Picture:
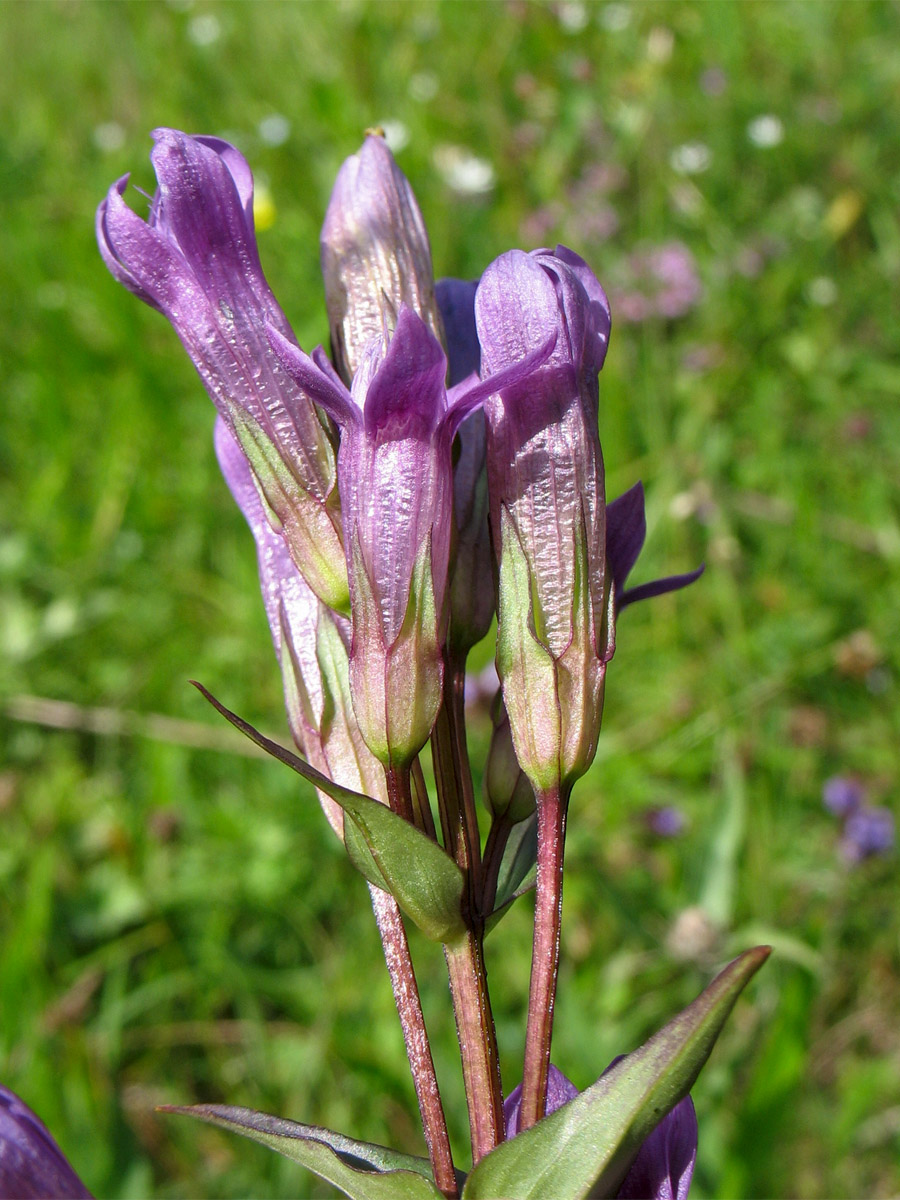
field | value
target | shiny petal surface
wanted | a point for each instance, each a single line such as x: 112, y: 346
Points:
x: 406, y: 397
x: 375, y: 254
x: 195, y: 260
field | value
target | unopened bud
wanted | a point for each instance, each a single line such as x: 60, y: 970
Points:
x: 507, y: 790
x: 375, y: 255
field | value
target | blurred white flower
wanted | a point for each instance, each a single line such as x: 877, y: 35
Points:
x: 423, y: 86
x: 690, y: 159
x: 660, y: 44
x: 572, y: 16
x: 766, y: 130
x: 463, y: 171
x: 822, y: 291
x: 274, y: 129
x: 204, y: 29
x: 109, y: 136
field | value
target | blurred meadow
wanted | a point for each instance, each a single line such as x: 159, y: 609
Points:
x: 177, y: 922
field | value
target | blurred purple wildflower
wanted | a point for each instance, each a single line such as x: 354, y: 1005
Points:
x: 661, y: 282
x: 32, y: 1166
x: 842, y: 795
x: 666, y: 821
x: 868, y: 832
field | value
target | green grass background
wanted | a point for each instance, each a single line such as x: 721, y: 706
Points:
x: 177, y: 923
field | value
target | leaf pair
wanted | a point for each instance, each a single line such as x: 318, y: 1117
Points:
x: 582, y: 1150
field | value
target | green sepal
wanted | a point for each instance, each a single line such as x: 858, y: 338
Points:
x: 525, y: 665
x: 585, y: 1148
x: 424, y: 880
x: 360, y: 1170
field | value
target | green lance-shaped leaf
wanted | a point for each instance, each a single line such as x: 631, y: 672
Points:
x: 422, y: 878
x: 585, y: 1148
x: 361, y: 1171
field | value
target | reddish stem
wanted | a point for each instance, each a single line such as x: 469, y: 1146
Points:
x: 415, y: 1037
x: 551, y: 812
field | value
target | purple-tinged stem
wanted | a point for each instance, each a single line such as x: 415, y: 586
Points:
x: 399, y: 792
x: 465, y: 960
x: 477, y: 1043
x: 415, y: 1037
x: 551, y: 831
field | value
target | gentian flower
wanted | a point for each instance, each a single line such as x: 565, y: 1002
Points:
x: 32, y: 1166
x: 195, y: 260
x: 395, y: 477
x: 312, y: 646
x: 545, y: 472
x: 375, y: 255
x: 664, y: 1165
x: 560, y: 1091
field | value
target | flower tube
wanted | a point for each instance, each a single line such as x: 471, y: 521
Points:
x: 195, y: 260
x: 545, y: 471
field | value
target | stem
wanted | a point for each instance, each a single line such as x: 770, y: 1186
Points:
x: 465, y: 960
x: 551, y: 812
x: 477, y: 1043
x: 399, y: 793
x: 415, y: 1037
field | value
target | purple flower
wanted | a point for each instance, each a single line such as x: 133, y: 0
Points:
x: 195, y: 260
x: 626, y: 529
x: 666, y: 821
x: 664, y: 1165
x: 312, y: 646
x: 32, y: 1166
x: 664, y: 283
x: 545, y: 471
x: 665, y: 1162
x: 395, y: 476
x: 867, y: 832
x: 843, y: 795
x: 375, y: 255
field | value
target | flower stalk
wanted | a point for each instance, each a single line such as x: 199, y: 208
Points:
x: 415, y: 1038
x: 552, y: 808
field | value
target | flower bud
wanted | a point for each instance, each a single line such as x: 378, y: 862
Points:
x: 545, y: 470
x: 375, y: 255
x: 395, y: 478
x: 507, y: 790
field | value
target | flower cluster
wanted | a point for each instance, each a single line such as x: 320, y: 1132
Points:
x: 440, y: 468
